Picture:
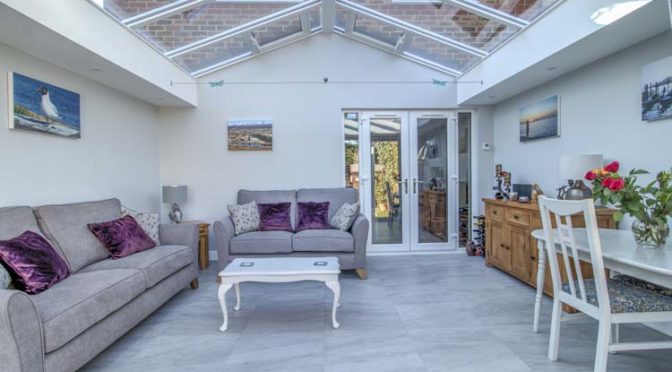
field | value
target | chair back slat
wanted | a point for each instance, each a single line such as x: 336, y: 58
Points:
x: 562, y: 240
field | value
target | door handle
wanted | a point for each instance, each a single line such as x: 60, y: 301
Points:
x: 405, y: 182
x: 415, y: 185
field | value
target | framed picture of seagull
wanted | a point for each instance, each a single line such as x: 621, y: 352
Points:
x: 37, y: 106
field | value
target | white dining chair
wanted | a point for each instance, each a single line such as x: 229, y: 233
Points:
x: 608, y: 301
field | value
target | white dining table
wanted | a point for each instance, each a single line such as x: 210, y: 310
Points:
x: 620, y: 254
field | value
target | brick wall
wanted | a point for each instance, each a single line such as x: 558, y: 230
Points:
x: 215, y: 17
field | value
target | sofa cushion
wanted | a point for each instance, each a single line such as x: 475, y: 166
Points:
x: 336, y: 197
x: 80, y: 301
x: 271, y: 197
x: 122, y: 237
x: 323, y: 241
x: 156, y: 264
x: 65, y: 226
x: 261, y: 242
x: 14, y: 221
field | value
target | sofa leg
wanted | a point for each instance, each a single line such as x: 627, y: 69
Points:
x: 361, y: 273
x: 194, y: 284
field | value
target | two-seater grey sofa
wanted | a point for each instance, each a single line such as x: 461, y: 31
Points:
x: 67, y: 325
x: 348, y: 246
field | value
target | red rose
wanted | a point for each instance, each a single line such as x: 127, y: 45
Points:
x: 616, y: 184
x: 612, y: 167
x: 606, y: 182
x: 591, y: 175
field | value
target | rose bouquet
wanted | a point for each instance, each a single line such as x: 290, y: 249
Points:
x: 649, y: 205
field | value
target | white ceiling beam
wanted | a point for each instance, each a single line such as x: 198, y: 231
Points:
x: 455, y: 44
x: 489, y: 12
x: 350, y: 22
x: 249, y: 26
x: 401, y: 43
x: 305, y: 22
x: 328, y: 16
x: 163, y: 12
x: 253, y: 43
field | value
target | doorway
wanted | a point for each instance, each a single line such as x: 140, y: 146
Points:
x: 405, y: 164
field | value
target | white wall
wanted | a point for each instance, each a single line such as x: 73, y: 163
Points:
x: 307, y: 119
x: 117, y: 155
x: 599, y: 113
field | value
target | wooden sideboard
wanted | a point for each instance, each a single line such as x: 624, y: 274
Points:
x: 509, y: 243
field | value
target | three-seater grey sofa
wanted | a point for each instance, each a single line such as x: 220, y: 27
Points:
x: 348, y: 246
x: 67, y: 325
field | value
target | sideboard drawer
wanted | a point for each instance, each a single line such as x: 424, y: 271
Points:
x: 494, y: 212
x: 518, y: 216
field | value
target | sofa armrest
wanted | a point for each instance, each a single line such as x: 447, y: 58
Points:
x: 360, y: 232
x: 224, y: 231
x: 180, y: 234
x: 21, y: 340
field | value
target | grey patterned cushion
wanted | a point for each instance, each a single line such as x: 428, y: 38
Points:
x: 5, y: 279
x: 643, y: 284
x: 245, y: 217
x: 149, y: 222
x: 345, y: 216
x: 626, y: 298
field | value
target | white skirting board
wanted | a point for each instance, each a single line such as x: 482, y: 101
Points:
x: 212, y: 255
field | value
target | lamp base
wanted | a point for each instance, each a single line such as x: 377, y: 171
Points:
x: 175, y: 214
x: 577, y: 190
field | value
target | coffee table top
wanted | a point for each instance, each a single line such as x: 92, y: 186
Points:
x: 281, y: 266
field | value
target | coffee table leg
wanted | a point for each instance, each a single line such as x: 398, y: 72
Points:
x: 336, y: 288
x: 237, y: 308
x: 221, y: 294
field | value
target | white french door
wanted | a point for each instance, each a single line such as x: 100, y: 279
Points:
x: 408, y: 182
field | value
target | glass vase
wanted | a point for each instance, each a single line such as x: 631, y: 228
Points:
x: 650, y: 234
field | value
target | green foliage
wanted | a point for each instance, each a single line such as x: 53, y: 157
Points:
x: 386, y: 163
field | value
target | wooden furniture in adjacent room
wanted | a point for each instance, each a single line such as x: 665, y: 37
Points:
x: 433, y: 212
x: 509, y: 243
x: 203, y: 243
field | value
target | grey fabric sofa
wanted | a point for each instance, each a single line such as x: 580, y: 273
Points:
x: 349, y: 246
x: 67, y: 325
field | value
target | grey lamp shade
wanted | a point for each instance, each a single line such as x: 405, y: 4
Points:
x: 574, y: 167
x: 174, y: 194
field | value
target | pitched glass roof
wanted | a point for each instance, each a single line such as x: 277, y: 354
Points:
x: 206, y: 35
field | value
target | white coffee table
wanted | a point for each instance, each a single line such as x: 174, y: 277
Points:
x: 279, y: 270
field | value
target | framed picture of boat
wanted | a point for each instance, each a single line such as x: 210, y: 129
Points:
x: 41, y: 107
x: 657, y: 90
x: 540, y: 120
x: 250, y: 135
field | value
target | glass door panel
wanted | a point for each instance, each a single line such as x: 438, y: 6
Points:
x: 431, y: 180
x: 388, y: 188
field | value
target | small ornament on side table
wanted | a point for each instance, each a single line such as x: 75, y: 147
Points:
x: 502, y: 177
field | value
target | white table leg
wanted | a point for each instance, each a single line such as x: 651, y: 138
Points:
x: 336, y: 288
x: 541, y: 276
x: 237, y: 307
x: 221, y: 294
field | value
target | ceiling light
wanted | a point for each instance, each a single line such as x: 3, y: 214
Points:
x: 552, y: 68
x: 96, y: 69
x: 612, y: 13
x: 492, y: 96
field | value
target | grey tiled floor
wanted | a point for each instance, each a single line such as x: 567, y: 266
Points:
x: 414, y: 313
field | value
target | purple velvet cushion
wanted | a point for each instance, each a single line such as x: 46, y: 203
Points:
x: 275, y: 217
x: 313, y: 216
x: 32, y: 262
x: 122, y: 237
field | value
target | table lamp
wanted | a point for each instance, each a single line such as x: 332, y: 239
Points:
x: 573, y: 169
x: 174, y: 194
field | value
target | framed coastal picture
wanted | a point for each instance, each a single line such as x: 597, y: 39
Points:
x: 540, y: 120
x: 250, y: 135
x: 657, y: 90
x: 41, y: 107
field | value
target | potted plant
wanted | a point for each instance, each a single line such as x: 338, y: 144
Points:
x: 649, y: 205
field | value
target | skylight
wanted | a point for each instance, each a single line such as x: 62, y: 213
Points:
x: 203, y: 36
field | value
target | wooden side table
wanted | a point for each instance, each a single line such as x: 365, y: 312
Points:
x: 203, y: 243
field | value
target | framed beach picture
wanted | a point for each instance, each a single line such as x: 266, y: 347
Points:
x: 540, y: 120
x: 37, y: 106
x: 250, y: 135
x: 657, y: 90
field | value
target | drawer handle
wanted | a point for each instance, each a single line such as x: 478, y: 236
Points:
x: 502, y: 246
x: 494, y: 212
x: 515, y: 216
